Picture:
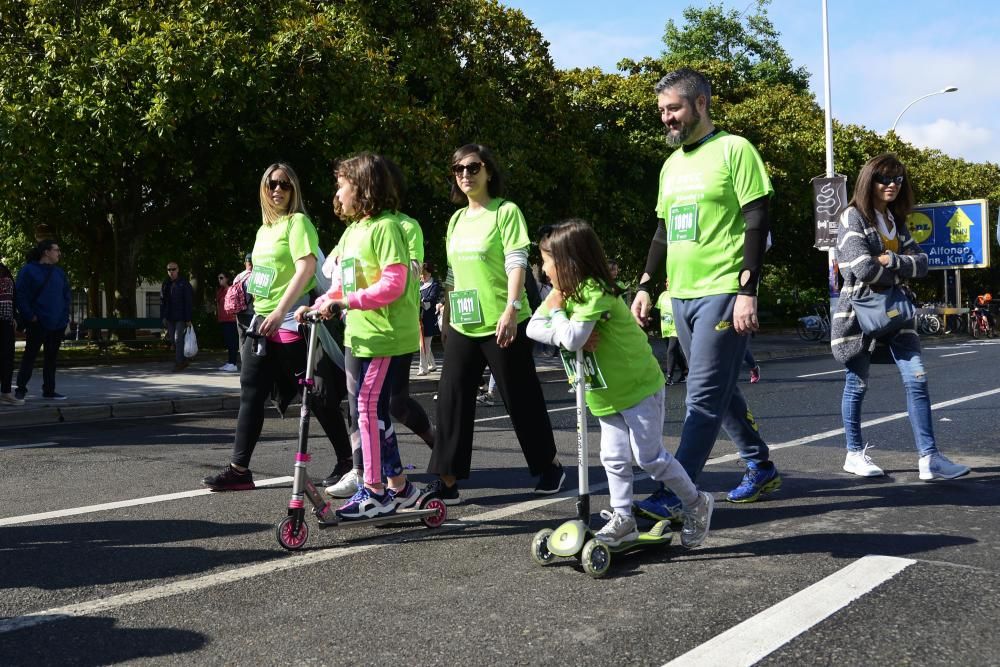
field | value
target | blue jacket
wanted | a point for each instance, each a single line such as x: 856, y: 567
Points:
x: 52, y: 303
x: 176, y: 297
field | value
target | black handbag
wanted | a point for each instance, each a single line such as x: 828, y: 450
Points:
x: 883, y: 313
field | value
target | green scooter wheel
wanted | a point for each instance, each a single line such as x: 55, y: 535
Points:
x: 595, y: 558
x: 540, y: 547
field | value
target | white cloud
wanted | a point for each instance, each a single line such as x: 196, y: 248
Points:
x: 953, y: 137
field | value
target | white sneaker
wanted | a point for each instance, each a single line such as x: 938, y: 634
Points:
x: 347, y: 485
x: 860, y: 464
x: 10, y: 399
x: 937, y: 466
x: 697, y: 521
x: 229, y: 368
x: 619, y: 528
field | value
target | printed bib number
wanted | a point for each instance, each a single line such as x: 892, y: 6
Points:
x: 465, y: 307
x: 593, y: 378
x: 260, y: 281
x: 348, y: 275
x: 683, y: 223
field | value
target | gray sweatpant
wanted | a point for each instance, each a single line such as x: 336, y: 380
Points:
x: 638, y: 432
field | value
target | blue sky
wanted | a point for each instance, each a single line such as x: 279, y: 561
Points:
x: 883, y: 55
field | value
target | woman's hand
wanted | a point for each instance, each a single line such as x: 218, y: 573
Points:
x: 271, y: 324
x: 300, y: 314
x: 329, y: 308
x: 506, y: 330
x: 884, y: 259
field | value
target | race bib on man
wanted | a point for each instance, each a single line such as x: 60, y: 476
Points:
x: 592, y: 376
x: 465, y: 307
x: 683, y: 223
x: 260, y: 281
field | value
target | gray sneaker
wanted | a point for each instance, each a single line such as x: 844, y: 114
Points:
x: 697, y: 520
x: 619, y: 528
x: 938, y: 466
x: 347, y: 485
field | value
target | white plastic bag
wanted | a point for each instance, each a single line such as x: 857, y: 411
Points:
x: 190, y: 343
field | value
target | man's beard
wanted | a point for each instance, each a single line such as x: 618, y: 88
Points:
x: 681, y: 136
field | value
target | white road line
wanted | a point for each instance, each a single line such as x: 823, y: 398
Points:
x: 29, y: 446
x: 56, y: 514
x: 956, y: 354
x: 759, y: 636
x: 812, y: 375
x: 490, y: 419
x: 238, y: 574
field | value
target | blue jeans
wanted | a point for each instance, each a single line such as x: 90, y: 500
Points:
x: 918, y: 401
x: 714, y: 354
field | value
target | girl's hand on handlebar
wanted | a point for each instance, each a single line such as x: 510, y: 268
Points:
x: 300, y: 313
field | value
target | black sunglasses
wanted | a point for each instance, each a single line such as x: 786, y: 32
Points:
x: 881, y: 179
x: 473, y: 168
x: 284, y: 185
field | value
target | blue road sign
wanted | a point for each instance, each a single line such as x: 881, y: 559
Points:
x: 954, y: 234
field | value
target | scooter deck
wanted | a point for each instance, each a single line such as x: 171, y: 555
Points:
x: 650, y: 538
x: 399, y: 515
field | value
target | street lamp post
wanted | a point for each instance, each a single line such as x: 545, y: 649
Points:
x: 949, y: 89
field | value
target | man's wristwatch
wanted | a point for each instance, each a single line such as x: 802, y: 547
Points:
x: 515, y: 304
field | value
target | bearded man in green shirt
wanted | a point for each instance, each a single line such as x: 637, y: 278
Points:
x: 713, y: 217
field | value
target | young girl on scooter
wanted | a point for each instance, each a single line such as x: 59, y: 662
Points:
x: 624, y: 384
x: 371, y: 284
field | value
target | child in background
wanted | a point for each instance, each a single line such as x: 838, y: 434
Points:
x: 625, y: 390
x: 370, y: 283
x: 675, y: 355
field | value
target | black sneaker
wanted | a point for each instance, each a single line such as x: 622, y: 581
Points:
x: 337, y: 472
x: 19, y: 393
x: 230, y: 480
x: 449, y: 494
x: 54, y: 396
x: 551, y: 481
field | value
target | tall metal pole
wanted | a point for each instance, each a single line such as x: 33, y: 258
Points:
x: 828, y: 113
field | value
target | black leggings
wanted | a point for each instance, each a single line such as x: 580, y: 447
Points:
x: 282, y: 366
x: 6, y: 355
x: 513, y: 368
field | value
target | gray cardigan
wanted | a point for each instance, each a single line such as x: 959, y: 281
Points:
x: 858, y: 248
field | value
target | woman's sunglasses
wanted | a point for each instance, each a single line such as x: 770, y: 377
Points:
x: 881, y: 179
x: 284, y: 185
x: 473, y: 168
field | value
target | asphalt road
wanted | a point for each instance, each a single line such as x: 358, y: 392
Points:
x: 833, y: 569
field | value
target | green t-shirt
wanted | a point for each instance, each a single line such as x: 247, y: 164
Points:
x: 413, y: 235
x: 476, y: 245
x: 701, y: 193
x: 623, y: 358
x: 274, y: 253
x: 666, y: 307
x: 367, y: 247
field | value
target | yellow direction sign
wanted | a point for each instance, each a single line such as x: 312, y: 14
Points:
x: 960, y: 225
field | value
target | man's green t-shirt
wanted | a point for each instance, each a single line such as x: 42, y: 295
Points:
x: 367, y: 247
x: 623, y: 356
x: 701, y: 193
x: 476, y: 245
x: 275, y: 251
x: 666, y: 307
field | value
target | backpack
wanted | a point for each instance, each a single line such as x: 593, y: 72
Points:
x: 237, y: 298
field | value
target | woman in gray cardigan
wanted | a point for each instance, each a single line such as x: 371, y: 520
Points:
x: 875, y: 251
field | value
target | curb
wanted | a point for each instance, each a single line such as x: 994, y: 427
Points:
x: 51, y: 414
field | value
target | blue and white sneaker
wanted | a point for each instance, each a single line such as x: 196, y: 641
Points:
x: 756, y: 482
x: 366, y: 504
x: 662, y: 505
x: 405, y: 497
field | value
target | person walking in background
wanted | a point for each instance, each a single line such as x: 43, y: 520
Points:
x: 875, y: 251
x: 430, y: 297
x: 484, y: 322
x: 176, y: 303
x: 227, y: 323
x: 676, y: 363
x: 712, y: 207
x: 274, y: 351
x: 43, y: 300
x: 7, y: 337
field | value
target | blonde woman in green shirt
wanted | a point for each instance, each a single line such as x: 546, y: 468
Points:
x: 485, y: 317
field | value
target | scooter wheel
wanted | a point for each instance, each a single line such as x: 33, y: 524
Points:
x: 287, y: 538
x: 596, y: 558
x: 540, y: 547
x: 440, y: 512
